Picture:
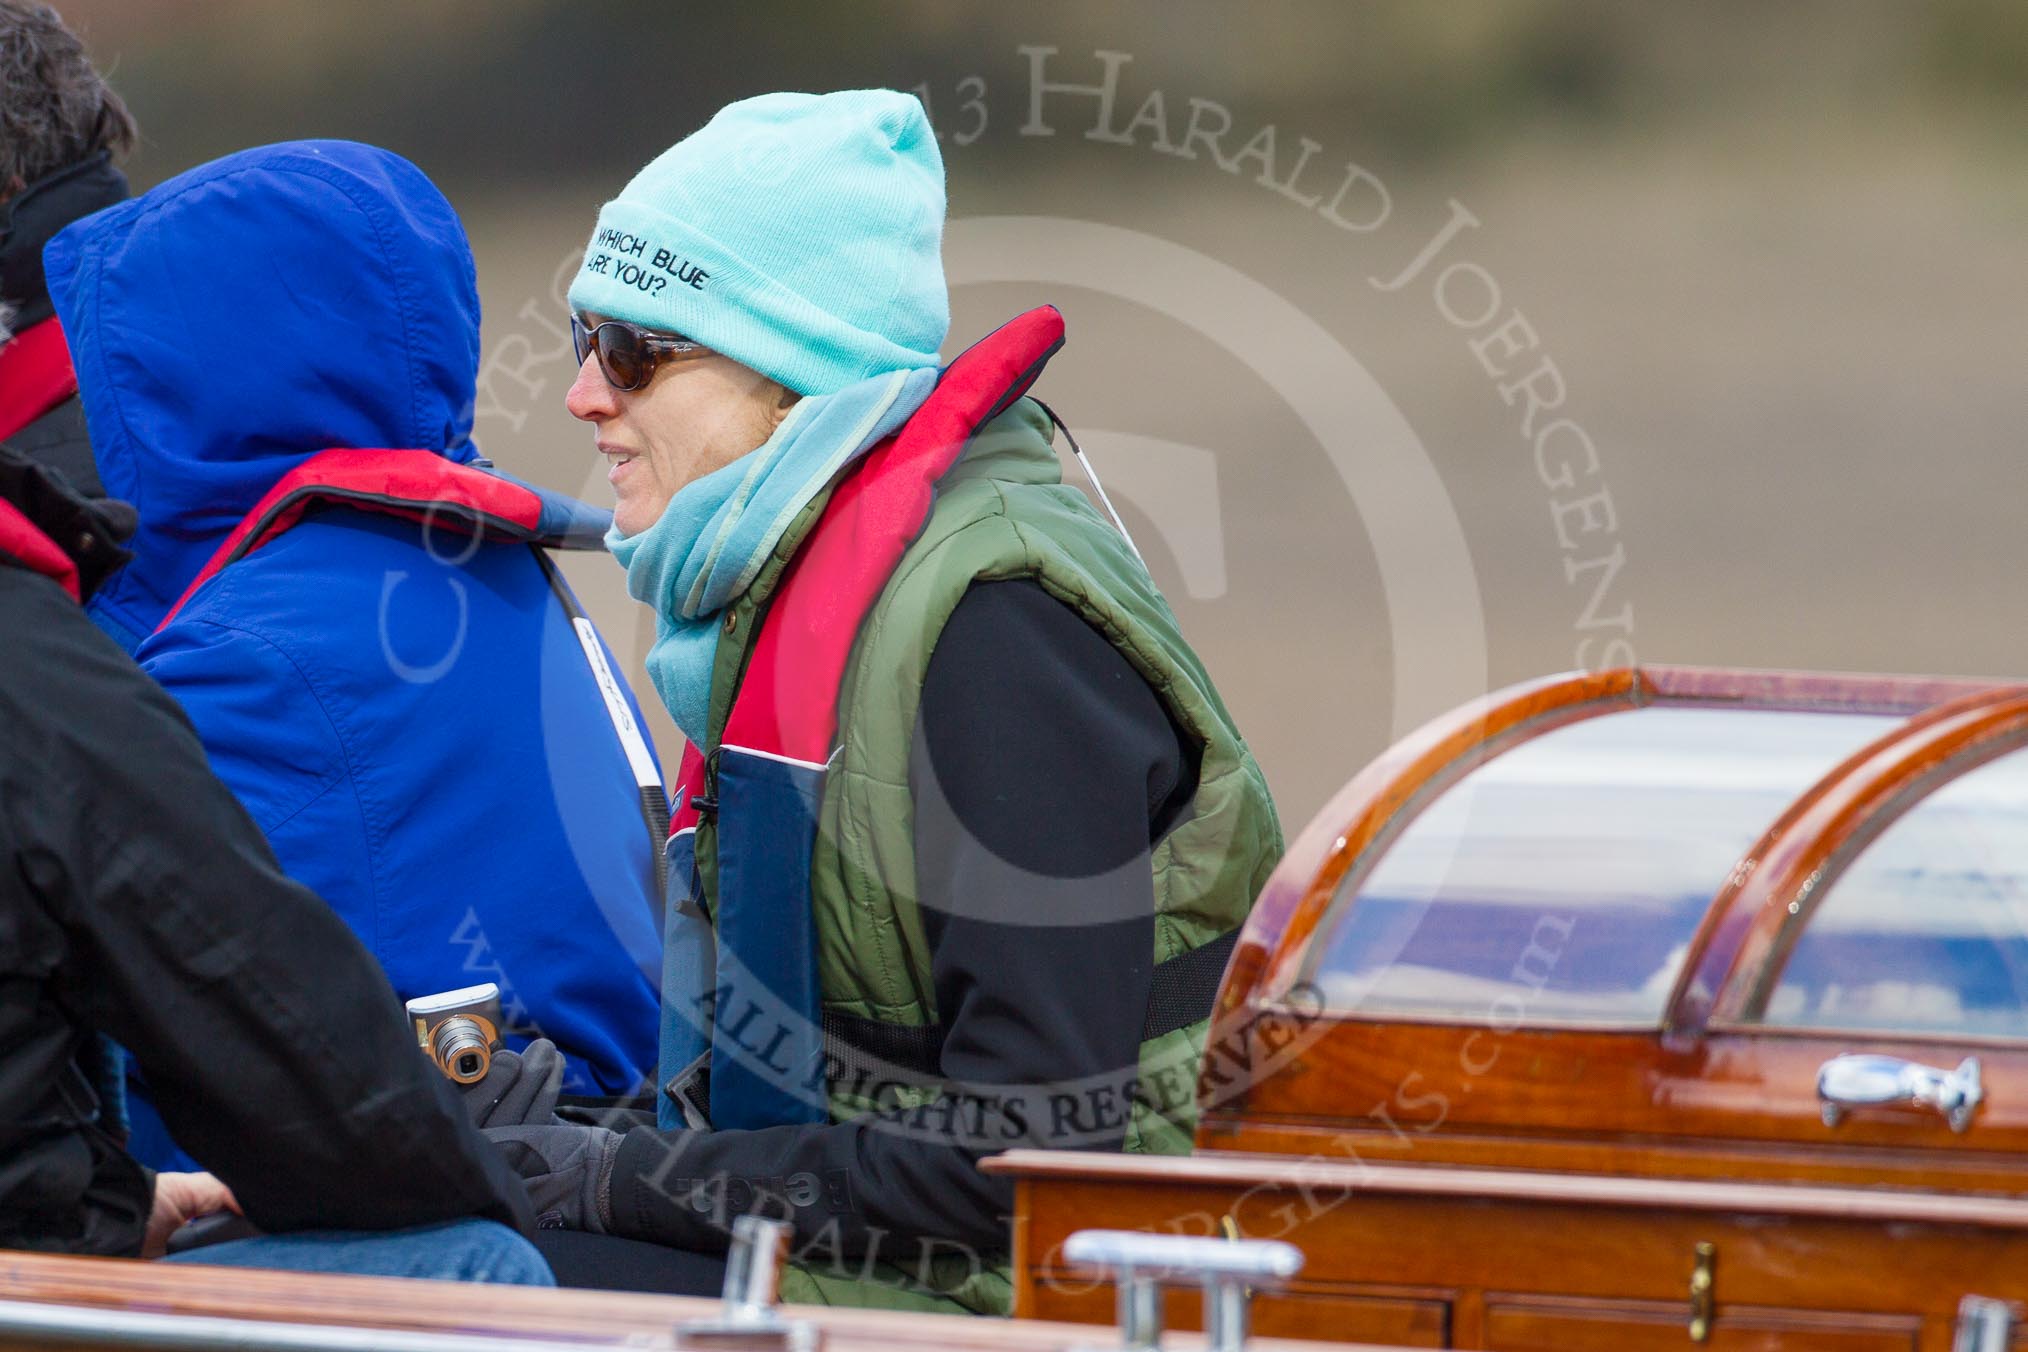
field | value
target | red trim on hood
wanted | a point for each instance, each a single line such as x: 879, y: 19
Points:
x: 24, y: 540
x: 419, y: 485
x: 35, y: 375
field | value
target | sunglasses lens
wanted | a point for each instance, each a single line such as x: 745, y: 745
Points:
x: 623, y: 354
x: 580, y: 339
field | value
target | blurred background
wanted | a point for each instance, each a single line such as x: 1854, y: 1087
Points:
x: 1775, y: 257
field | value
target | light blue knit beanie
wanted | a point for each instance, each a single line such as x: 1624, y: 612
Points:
x: 798, y: 234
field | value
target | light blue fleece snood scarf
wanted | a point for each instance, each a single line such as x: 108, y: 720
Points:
x: 711, y: 540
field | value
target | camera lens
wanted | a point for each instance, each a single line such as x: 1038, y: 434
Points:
x: 461, y: 1047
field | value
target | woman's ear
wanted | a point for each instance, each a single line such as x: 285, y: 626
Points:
x: 782, y: 406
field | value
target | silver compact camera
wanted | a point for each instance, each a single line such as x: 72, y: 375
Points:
x: 459, y: 1030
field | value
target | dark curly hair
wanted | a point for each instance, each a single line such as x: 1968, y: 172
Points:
x: 55, y: 109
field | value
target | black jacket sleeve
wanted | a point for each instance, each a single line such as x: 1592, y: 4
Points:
x: 1042, y: 769
x: 278, y: 1051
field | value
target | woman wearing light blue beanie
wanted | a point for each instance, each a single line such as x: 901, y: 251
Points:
x: 965, y: 830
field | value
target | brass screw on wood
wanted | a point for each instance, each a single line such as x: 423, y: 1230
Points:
x: 1701, y: 1293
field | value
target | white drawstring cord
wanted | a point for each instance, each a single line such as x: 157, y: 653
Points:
x: 1092, y: 475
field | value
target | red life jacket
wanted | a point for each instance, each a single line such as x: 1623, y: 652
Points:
x: 462, y: 500
x: 418, y: 485
x: 766, y: 780
x: 35, y: 375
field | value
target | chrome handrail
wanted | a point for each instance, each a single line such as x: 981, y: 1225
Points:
x: 1229, y: 1270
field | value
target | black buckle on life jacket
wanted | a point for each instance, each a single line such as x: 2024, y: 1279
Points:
x: 706, y: 804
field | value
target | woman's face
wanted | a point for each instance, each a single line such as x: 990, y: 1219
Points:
x: 692, y: 417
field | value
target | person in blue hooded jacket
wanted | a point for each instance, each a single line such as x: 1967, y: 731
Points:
x: 277, y: 354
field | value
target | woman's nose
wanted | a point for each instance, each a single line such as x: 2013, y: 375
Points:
x: 590, y: 397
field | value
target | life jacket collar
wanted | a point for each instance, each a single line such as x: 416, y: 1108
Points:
x: 444, y: 495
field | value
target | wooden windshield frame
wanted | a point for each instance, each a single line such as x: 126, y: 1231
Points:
x: 1262, y: 983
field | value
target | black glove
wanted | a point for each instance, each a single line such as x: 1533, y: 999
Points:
x: 568, y: 1170
x: 520, y: 1088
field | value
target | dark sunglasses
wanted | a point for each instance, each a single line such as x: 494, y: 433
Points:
x: 628, y: 353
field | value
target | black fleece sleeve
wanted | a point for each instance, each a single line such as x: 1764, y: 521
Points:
x: 278, y: 1051
x: 1043, y: 767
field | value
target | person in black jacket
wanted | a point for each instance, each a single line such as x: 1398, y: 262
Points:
x: 61, y: 129
x: 138, y: 902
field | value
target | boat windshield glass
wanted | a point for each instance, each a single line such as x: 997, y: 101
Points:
x: 1926, y: 930
x: 1562, y: 881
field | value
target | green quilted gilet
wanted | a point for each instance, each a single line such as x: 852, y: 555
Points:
x: 1001, y: 512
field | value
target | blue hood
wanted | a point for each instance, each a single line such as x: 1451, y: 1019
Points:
x: 246, y: 315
